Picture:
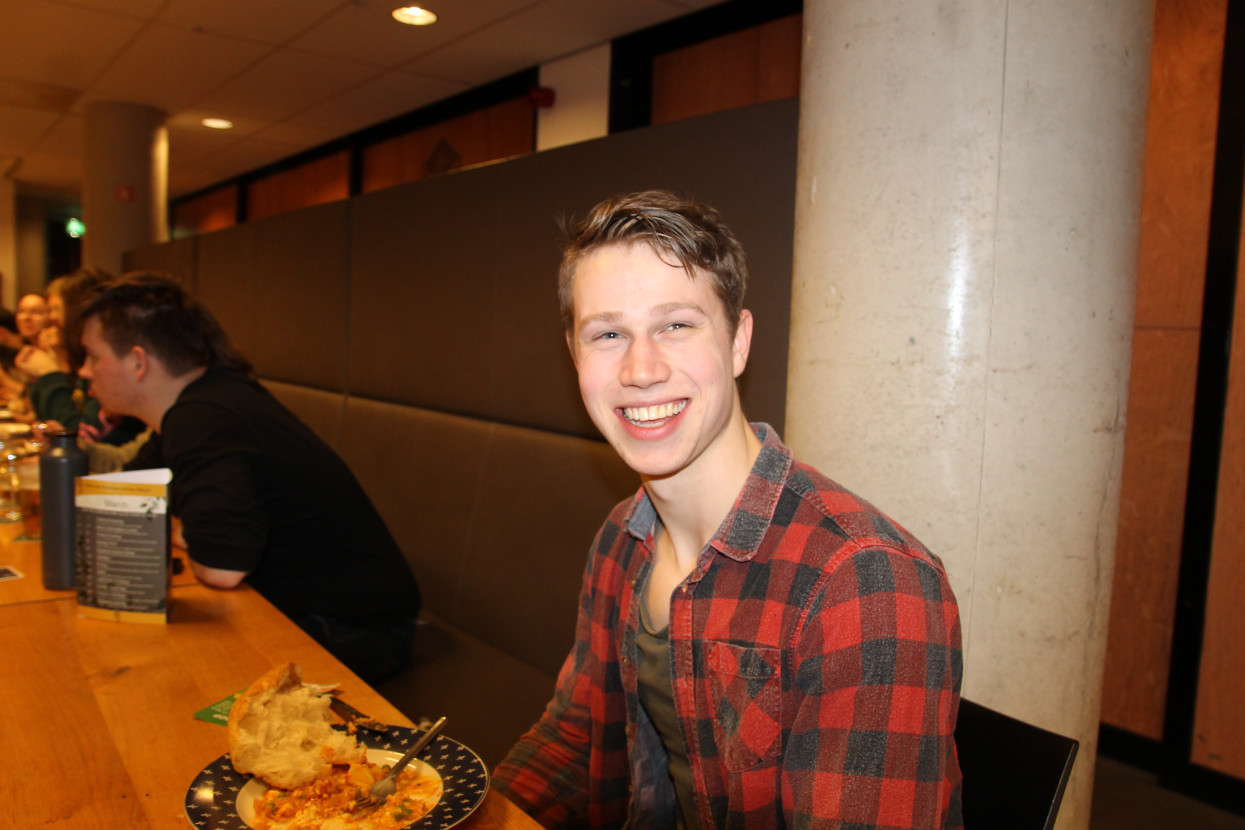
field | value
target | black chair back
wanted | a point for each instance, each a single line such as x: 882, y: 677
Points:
x: 1014, y: 773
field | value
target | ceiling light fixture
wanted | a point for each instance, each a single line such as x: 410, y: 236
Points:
x: 218, y: 123
x: 414, y: 16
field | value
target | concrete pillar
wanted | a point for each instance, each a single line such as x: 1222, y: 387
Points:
x: 969, y: 191
x: 125, y: 187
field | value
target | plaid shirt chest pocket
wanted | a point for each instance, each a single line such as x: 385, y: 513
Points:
x: 745, y: 688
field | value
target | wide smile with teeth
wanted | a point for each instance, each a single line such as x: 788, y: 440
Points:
x: 649, y: 415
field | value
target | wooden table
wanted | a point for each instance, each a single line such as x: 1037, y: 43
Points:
x: 97, y: 727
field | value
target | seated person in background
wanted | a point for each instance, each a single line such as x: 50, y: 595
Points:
x: 756, y: 646
x: 10, y: 344
x: 260, y: 497
x: 57, y: 396
x: 31, y: 318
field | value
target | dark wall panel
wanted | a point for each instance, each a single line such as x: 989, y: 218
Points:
x: 280, y: 288
x: 225, y: 281
x: 422, y: 301
x: 302, y: 290
x: 177, y: 259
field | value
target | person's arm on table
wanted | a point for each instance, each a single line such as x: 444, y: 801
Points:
x: 109, y: 458
x: 223, y: 521
x: 878, y: 669
x: 216, y: 577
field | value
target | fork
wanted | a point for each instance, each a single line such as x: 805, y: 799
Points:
x: 386, y: 786
x: 351, y: 715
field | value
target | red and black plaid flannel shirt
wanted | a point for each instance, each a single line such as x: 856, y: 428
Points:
x: 816, y: 673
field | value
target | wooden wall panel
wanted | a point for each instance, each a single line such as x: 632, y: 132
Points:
x: 1219, y: 726
x: 501, y: 131
x: 1156, y: 462
x: 778, y: 58
x: 314, y: 183
x: 718, y: 74
x: 1184, y: 96
x: 213, y: 211
x: 1180, y: 158
x: 746, y: 67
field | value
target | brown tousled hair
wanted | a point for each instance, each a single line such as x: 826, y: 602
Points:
x: 690, y: 233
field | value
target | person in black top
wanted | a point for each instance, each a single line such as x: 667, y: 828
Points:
x: 259, y: 496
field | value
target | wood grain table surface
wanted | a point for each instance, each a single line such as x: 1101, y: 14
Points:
x: 97, y: 728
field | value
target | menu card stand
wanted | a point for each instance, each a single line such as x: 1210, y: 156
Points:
x: 123, y: 545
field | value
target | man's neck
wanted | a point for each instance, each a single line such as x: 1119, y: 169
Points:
x: 693, y: 503
x: 164, y: 393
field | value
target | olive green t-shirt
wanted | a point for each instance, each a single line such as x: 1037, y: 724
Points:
x: 657, y: 698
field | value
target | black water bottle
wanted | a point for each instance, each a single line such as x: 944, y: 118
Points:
x: 59, y: 464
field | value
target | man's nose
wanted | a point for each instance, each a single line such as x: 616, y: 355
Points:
x: 644, y: 364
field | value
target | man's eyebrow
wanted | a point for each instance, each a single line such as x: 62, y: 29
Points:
x: 599, y: 317
x: 674, y: 308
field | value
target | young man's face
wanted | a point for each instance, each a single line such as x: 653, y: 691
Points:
x: 112, y: 376
x: 657, y: 361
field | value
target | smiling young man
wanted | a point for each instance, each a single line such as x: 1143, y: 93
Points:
x: 756, y: 647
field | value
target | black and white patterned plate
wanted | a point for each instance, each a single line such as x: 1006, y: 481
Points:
x: 212, y: 801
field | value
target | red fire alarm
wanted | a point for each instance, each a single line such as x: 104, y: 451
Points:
x: 542, y: 97
x: 125, y: 193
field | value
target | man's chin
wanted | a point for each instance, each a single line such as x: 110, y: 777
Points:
x: 653, y: 464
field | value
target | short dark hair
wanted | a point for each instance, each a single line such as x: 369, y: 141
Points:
x: 690, y: 232
x: 155, y: 312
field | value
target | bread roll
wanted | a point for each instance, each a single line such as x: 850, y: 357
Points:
x: 279, y: 731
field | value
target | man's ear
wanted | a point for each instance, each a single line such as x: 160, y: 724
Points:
x: 570, y: 344
x: 741, y: 344
x: 140, y: 361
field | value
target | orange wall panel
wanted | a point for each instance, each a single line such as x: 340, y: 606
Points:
x: 1184, y: 95
x: 746, y: 67
x: 1180, y: 157
x: 1219, y: 725
x: 718, y: 74
x: 1147, y: 551
x: 778, y: 58
x: 313, y: 183
x: 497, y: 132
x: 209, y: 212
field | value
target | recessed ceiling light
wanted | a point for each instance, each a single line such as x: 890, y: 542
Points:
x: 218, y: 123
x: 414, y: 15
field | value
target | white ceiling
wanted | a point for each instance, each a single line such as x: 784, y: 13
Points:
x: 290, y: 74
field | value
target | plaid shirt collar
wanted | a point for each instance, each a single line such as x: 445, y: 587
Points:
x: 744, y: 527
